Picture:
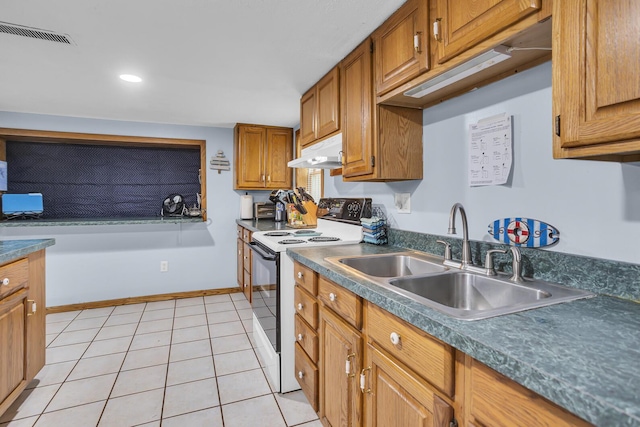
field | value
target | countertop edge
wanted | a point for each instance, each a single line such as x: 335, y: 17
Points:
x: 564, y: 394
x: 19, y: 248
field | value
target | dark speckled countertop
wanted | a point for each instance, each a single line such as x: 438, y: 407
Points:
x: 14, y: 249
x: 583, y: 355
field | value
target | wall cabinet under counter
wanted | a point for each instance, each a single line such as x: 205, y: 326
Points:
x: 373, y: 367
x: 261, y: 157
x: 22, y: 325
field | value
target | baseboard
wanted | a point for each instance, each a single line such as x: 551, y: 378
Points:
x: 141, y: 299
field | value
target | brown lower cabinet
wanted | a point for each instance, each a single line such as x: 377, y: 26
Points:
x: 22, y: 325
x: 375, y: 369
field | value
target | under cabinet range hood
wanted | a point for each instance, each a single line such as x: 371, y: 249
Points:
x: 326, y: 154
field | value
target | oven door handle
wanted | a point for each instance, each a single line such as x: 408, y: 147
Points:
x: 265, y: 255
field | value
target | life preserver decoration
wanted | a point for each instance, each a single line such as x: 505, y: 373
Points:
x: 518, y: 231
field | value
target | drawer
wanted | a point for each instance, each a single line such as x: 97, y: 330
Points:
x: 14, y: 276
x: 306, y: 277
x: 306, y: 306
x: 428, y: 357
x: 307, y: 376
x: 246, y: 235
x: 307, y: 338
x: 344, y: 302
x: 246, y: 256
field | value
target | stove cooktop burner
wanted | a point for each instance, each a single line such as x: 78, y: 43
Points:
x: 291, y: 241
x: 305, y: 232
x: 277, y: 233
x: 324, y: 239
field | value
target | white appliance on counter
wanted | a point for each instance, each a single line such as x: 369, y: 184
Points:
x: 273, y: 286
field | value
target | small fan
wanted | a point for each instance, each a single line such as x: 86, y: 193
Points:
x: 173, y: 205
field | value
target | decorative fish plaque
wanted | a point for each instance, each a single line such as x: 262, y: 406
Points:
x: 526, y: 232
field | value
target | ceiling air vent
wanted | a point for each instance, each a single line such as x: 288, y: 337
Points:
x: 34, y: 33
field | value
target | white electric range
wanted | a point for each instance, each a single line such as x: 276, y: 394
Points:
x: 273, y: 285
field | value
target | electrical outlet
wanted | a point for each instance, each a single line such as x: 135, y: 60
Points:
x: 402, y: 202
x: 164, y: 266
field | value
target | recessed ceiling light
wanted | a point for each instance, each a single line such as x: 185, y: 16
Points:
x: 130, y: 78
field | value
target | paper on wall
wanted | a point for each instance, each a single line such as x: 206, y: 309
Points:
x: 490, y: 151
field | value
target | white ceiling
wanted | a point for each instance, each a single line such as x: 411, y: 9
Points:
x: 204, y: 62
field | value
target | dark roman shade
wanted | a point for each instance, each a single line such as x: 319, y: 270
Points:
x: 102, y: 181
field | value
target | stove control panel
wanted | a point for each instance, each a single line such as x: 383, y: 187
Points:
x: 346, y: 209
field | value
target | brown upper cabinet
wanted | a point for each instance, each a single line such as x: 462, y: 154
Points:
x: 379, y: 143
x: 460, y: 31
x: 401, y: 46
x: 261, y: 157
x: 320, y: 109
x: 460, y: 25
x: 596, y: 80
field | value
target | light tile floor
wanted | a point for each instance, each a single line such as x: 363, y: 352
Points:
x: 185, y: 363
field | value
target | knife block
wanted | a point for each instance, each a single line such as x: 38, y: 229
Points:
x: 310, y: 218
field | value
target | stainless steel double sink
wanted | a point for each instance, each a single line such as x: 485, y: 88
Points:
x: 458, y: 293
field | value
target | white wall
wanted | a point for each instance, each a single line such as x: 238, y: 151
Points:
x: 595, y: 205
x: 92, y: 263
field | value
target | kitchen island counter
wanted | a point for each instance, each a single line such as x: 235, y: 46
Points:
x: 14, y: 249
x: 582, y: 355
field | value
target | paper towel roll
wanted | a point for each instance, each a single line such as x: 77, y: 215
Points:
x: 246, y: 206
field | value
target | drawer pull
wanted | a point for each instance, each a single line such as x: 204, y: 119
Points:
x: 300, y: 274
x: 5, y: 281
x: 395, y: 338
x: 363, y: 380
x: 300, y: 374
x: 300, y: 337
x: 332, y: 297
x: 300, y: 306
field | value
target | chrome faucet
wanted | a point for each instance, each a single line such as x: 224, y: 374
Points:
x: 466, y: 249
x: 517, y: 264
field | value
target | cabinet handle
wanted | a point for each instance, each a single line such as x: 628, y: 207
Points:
x: 416, y: 41
x: 363, y: 381
x: 34, y: 307
x: 300, y: 274
x: 262, y: 178
x: 347, y: 365
x: 395, y: 338
x: 5, y: 281
x: 245, y: 285
x: 300, y: 306
x: 300, y: 374
x: 436, y: 29
x: 268, y: 178
x: 332, y: 297
x: 300, y: 337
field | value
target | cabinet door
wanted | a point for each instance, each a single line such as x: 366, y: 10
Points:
x: 250, y: 151
x: 328, y: 93
x: 240, y: 262
x: 279, y: 152
x: 340, y: 397
x: 357, y: 112
x: 36, y: 313
x: 308, y: 115
x: 596, y: 77
x: 465, y: 23
x: 394, y: 397
x: 401, y: 46
x: 12, y: 350
x: 496, y: 401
